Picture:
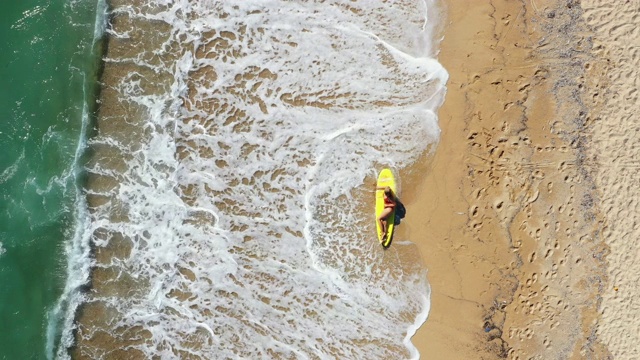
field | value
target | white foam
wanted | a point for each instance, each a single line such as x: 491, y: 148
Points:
x: 265, y: 211
x: 10, y: 171
x: 60, y: 319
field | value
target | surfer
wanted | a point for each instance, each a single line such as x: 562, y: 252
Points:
x: 390, y: 201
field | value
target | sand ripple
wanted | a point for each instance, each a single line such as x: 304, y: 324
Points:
x: 616, y: 152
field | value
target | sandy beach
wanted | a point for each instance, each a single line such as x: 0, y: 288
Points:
x: 525, y: 216
x: 527, y: 210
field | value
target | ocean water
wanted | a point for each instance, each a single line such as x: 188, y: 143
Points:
x: 226, y: 210
x: 46, y: 66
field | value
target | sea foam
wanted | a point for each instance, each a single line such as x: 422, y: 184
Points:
x: 227, y: 200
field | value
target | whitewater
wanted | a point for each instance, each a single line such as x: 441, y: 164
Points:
x: 228, y: 201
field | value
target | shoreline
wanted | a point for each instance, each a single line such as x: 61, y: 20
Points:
x: 510, y: 229
x: 112, y: 249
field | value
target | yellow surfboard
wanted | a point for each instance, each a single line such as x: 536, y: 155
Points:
x: 385, y: 179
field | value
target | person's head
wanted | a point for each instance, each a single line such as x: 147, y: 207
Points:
x: 388, y: 192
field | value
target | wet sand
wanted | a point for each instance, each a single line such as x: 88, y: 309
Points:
x: 101, y: 330
x: 525, y: 218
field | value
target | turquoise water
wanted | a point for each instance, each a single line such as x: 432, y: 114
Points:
x: 45, y: 59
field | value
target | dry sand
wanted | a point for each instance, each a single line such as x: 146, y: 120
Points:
x: 615, y: 152
x: 527, y: 218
